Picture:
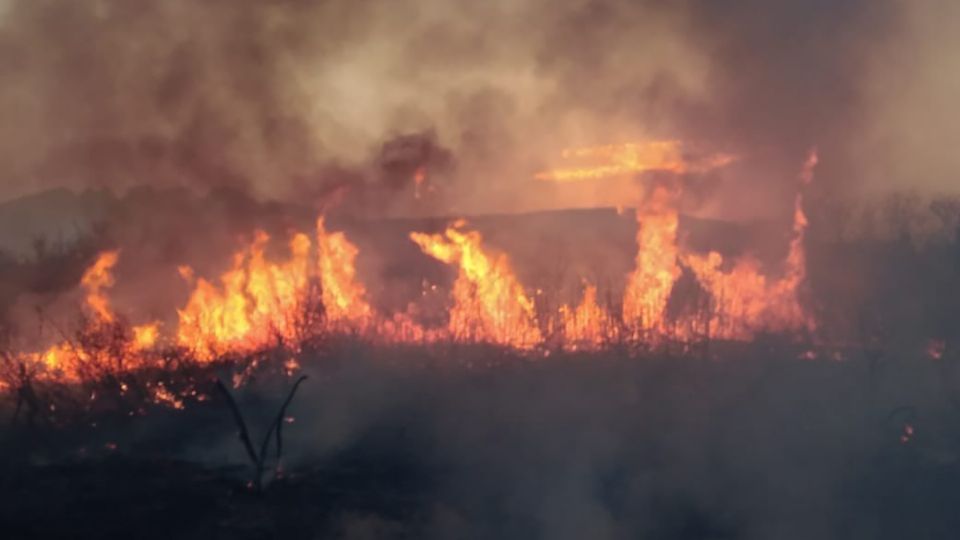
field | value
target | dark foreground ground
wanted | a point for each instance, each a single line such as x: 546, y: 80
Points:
x: 755, y: 447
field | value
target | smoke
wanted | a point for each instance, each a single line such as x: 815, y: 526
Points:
x: 909, y: 139
x: 757, y: 446
x: 296, y: 98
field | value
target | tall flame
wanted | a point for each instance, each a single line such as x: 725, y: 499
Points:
x: 343, y: 295
x: 588, y: 326
x: 257, y: 303
x: 99, y: 276
x: 746, y: 300
x: 114, y: 349
x: 490, y: 305
x: 650, y: 284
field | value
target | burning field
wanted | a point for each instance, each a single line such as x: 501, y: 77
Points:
x: 592, y: 269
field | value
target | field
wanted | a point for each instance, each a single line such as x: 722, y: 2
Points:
x: 474, y: 442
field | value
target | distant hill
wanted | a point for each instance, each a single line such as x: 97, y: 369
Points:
x: 57, y: 215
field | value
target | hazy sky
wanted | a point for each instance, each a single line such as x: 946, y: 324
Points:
x: 282, y: 97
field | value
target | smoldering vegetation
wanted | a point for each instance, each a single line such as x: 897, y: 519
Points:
x: 475, y: 443
x: 179, y: 127
x: 881, y: 271
x: 706, y: 440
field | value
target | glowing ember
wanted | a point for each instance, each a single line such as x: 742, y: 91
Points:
x: 490, y: 305
x: 936, y: 348
x: 907, y: 434
x: 419, y: 181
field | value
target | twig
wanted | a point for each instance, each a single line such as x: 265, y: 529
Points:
x: 281, y: 416
x: 238, y: 417
x: 276, y: 428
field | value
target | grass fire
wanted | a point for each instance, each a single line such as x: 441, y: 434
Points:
x: 579, y: 269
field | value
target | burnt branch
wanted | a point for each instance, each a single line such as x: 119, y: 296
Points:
x: 258, y: 459
x: 238, y: 418
x: 281, y: 415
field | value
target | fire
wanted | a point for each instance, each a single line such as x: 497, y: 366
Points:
x: 99, y: 276
x: 256, y: 304
x: 620, y: 159
x: 490, y: 304
x: 259, y: 303
x: 145, y: 336
x: 419, y: 181
x: 650, y: 284
x: 343, y: 296
x: 102, y: 345
x: 746, y: 300
x: 588, y: 326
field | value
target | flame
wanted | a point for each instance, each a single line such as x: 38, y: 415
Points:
x: 343, y: 295
x: 419, y: 180
x: 490, y: 305
x: 588, y: 326
x: 746, y: 300
x: 256, y: 304
x: 145, y: 336
x: 259, y: 302
x: 163, y: 396
x: 111, y: 348
x: 99, y: 276
x: 636, y: 157
x: 650, y: 284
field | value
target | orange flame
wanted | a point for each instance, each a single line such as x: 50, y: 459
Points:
x: 67, y: 359
x: 145, y: 336
x: 490, y: 305
x: 99, y: 276
x: 343, y: 296
x: 258, y: 302
x: 746, y: 300
x: 619, y: 159
x: 255, y: 305
x: 588, y: 326
x: 650, y: 284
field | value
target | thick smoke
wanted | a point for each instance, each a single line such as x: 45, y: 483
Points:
x: 296, y: 98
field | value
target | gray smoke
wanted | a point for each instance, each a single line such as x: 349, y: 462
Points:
x: 296, y: 98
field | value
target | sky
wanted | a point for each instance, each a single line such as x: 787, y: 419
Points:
x: 294, y: 99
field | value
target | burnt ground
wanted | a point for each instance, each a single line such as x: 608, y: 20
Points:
x: 384, y: 444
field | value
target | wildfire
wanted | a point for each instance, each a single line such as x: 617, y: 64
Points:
x: 619, y: 159
x: 145, y: 336
x: 256, y: 304
x: 745, y: 299
x: 588, y: 326
x: 98, y: 277
x: 343, y: 296
x: 489, y: 302
x: 103, y: 344
x: 649, y: 286
x: 259, y: 303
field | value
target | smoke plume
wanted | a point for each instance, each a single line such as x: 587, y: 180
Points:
x: 297, y: 98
